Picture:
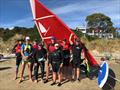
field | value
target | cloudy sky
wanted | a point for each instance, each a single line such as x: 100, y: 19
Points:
x: 72, y: 12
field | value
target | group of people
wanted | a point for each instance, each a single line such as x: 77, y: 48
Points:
x: 57, y: 56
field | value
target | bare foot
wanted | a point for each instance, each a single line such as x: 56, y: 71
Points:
x: 35, y: 81
x: 31, y: 80
x: 21, y: 80
x: 15, y: 78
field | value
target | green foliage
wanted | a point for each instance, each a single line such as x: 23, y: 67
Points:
x: 100, y: 21
x: 89, y: 38
x: 6, y: 34
x: 78, y: 33
x: 31, y: 32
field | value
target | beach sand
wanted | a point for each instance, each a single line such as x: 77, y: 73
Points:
x: 7, y: 82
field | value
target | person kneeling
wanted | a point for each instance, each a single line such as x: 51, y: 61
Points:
x: 57, y: 63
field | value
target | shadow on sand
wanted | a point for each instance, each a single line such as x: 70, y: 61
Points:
x: 39, y: 76
x: 111, y: 82
x: 4, y: 68
x: 6, y: 59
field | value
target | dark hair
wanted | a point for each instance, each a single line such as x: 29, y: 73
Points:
x: 77, y: 40
x: 35, y: 40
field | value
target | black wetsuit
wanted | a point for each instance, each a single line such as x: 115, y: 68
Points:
x: 76, y: 51
x: 40, y: 54
x: 66, y: 57
x: 56, y: 60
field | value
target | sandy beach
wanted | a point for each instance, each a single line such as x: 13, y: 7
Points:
x: 7, y: 82
x: 72, y: 32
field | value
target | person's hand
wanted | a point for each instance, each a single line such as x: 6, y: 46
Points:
x: 75, y: 37
x: 86, y: 61
x: 71, y: 35
x: 50, y: 65
x: 25, y: 57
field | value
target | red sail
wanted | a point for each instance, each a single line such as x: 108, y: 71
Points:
x: 49, y: 25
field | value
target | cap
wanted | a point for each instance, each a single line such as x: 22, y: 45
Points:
x: 35, y: 40
x: 27, y: 38
x: 56, y: 45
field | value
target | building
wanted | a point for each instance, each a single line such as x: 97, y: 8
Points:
x: 96, y: 32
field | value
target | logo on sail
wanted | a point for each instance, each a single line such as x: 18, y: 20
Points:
x: 42, y: 28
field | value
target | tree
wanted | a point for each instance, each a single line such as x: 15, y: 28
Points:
x: 101, y: 22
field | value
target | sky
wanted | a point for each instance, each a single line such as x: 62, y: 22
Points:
x: 72, y: 12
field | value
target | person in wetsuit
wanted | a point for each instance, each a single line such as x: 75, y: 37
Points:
x: 76, y: 51
x: 17, y: 49
x: 40, y: 56
x: 50, y: 49
x: 35, y: 48
x: 57, y: 63
x: 66, y: 56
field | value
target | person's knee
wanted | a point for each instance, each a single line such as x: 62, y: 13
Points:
x: 78, y: 69
x: 54, y: 73
x: 60, y: 73
x: 74, y: 69
x: 23, y: 64
x: 17, y: 67
x: 48, y: 64
x: 48, y: 67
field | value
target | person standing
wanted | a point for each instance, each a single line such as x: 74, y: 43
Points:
x: 66, y: 56
x: 57, y: 63
x: 50, y: 49
x: 17, y: 49
x: 26, y: 52
x: 40, y: 55
x: 76, y: 51
x: 35, y: 48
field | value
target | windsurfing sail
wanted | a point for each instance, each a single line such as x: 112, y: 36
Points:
x: 49, y: 25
